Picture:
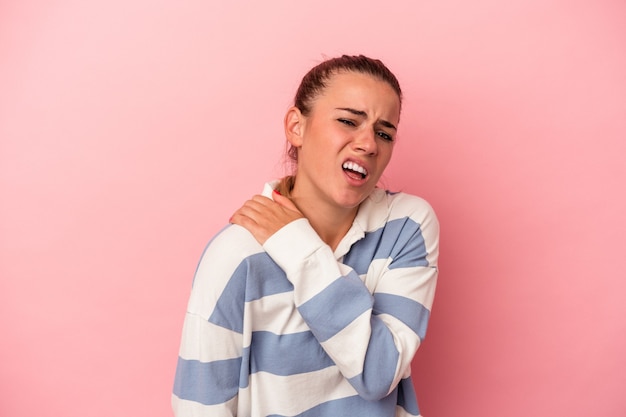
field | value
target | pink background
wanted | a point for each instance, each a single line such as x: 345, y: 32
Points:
x: 131, y: 130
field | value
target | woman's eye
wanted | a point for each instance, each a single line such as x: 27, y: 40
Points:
x: 347, y: 122
x: 385, y: 136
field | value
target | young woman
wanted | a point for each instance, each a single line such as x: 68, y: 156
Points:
x: 316, y: 298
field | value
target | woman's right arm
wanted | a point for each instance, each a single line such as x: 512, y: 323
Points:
x: 207, y: 378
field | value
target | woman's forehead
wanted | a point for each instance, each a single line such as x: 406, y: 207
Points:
x: 360, y: 91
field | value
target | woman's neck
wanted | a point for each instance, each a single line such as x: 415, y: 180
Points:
x: 330, y: 222
x: 330, y: 225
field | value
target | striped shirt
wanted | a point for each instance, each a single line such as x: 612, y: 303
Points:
x: 292, y: 328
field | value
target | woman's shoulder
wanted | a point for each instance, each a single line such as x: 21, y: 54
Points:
x: 232, y: 242
x: 418, y: 210
x: 407, y: 200
x: 227, y: 250
x: 402, y: 204
x: 383, y: 206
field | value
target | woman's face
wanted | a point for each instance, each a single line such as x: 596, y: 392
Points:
x: 346, y: 141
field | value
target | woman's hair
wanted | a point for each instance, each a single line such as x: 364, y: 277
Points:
x: 315, y: 81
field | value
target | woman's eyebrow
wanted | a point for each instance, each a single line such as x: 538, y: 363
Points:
x: 353, y: 111
x: 387, y: 124
x: 364, y: 114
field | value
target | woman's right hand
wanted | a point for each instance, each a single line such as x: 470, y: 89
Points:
x: 263, y: 216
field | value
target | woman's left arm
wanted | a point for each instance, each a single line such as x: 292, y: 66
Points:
x: 372, y: 338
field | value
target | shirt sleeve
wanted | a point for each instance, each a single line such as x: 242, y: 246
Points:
x: 207, y: 379
x: 371, y: 336
x: 204, y: 384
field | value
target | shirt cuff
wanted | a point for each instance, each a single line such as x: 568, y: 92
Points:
x: 292, y: 245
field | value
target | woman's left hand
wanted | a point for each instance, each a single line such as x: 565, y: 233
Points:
x: 263, y: 216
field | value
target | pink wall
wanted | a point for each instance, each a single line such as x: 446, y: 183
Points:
x: 130, y: 130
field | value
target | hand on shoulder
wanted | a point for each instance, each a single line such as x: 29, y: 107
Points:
x: 263, y: 217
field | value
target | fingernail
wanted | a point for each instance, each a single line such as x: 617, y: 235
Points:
x: 277, y: 192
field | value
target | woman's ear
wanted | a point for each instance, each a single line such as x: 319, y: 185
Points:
x: 294, y: 126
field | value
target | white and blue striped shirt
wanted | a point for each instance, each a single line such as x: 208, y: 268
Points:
x: 292, y: 329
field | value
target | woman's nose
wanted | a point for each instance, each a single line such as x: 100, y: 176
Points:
x: 366, y: 142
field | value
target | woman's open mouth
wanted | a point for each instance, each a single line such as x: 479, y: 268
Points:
x: 354, y: 170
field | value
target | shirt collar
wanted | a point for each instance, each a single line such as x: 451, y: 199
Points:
x: 373, y: 213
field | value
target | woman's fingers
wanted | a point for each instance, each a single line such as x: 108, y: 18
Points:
x: 263, y: 217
